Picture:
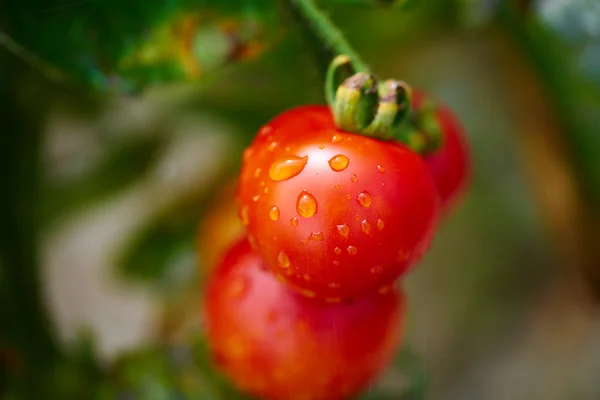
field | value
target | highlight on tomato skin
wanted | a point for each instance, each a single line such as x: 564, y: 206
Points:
x: 450, y: 166
x: 271, y: 342
x: 336, y: 215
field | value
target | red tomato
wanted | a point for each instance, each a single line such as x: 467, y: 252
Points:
x: 449, y: 165
x: 275, y: 343
x: 335, y: 214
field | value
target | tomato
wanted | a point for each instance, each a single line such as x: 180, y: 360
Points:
x: 219, y: 228
x: 335, y: 214
x: 450, y: 165
x: 275, y: 343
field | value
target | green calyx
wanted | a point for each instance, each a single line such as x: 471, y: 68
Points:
x: 422, y: 131
x: 361, y: 104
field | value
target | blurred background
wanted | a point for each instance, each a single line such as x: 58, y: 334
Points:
x: 121, y: 131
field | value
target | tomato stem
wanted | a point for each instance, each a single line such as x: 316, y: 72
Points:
x: 328, y: 34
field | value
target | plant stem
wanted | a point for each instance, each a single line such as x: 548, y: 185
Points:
x: 323, y: 31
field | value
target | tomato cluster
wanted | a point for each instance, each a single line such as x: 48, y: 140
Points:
x: 305, y: 302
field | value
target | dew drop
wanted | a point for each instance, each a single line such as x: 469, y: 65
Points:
x: 244, y: 215
x: 294, y: 221
x: 308, y: 293
x: 283, y: 260
x: 257, y: 172
x: 272, y: 146
x: 337, y: 186
x: 336, y: 262
x: 385, y: 289
x: 237, y: 287
x: 266, y: 190
x: 321, y: 146
x: 265, y: 130
x: 286, y: 168
x: 343, y: 230
x: 306, y: 205
x: 348, y: 196
x: 333, y: 285
x: 364, y: 199
x: 274, y: 213
x: 255, y: 198
x: 380, y: 224
x: 352, y: 250
x: 377, y: 270
x: 380, y: 168
x: 354, y: 178
x: 337, y: 139
x: 365, y: 226
x: 252, y: 242
x: 306, y: 277
x: 339, y: 162
x: 402, y: 255
x: 333, y: 300
x: 316, y: 236
x: 247, y: 153
x: 262, y: 183
x: 337, y: 250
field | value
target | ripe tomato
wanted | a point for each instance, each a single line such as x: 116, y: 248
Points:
x: 450, y: 164
x: 219, y: 228
x: 335, y: 214
x: 275, y: 343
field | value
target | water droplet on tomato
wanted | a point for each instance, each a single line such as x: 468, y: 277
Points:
x: 333, y: 300
x: 266, y: 190
x: 306, y: 277
x: 402, y: 255
x: 377, y: 270
x: 265, y: 130
x: 244, y: 215
x: 252, y: 242
x: 247, y: 153
x: 272, y: 146
x: 237, y: 287
x: 380, y: 224
x: 336, y: 262
x: 257, y: 172
x: 321, y: 146
x: 317, y: 236
x: 354, y: 178
x: 294, y: 221
x: 365, y: 226
x: 337, y: 186
x: 333, y: 285
x: 274, y: 213
x: 337, y: 139
x: 385, y: 289
x: 255, y: 198
x: 364, y: 199
x: 352, y: 250
x: 339, y: 162
x: 283, y: 260
x: 380, y: 168
x: 337, y: 250
x: 306, y: 205
x: 286, y: 168
x: 348, y: 196
x: 308, y: 293
x: 343, y: 230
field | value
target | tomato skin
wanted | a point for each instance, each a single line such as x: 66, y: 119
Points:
x: 271, y: 341
x: 450, y: 165
x: 375, y: 205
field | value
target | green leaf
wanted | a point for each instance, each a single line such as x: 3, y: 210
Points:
x: 123, y: 46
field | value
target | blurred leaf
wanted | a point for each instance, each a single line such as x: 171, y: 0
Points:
x: 576, y: 96
x: 125, y: 45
